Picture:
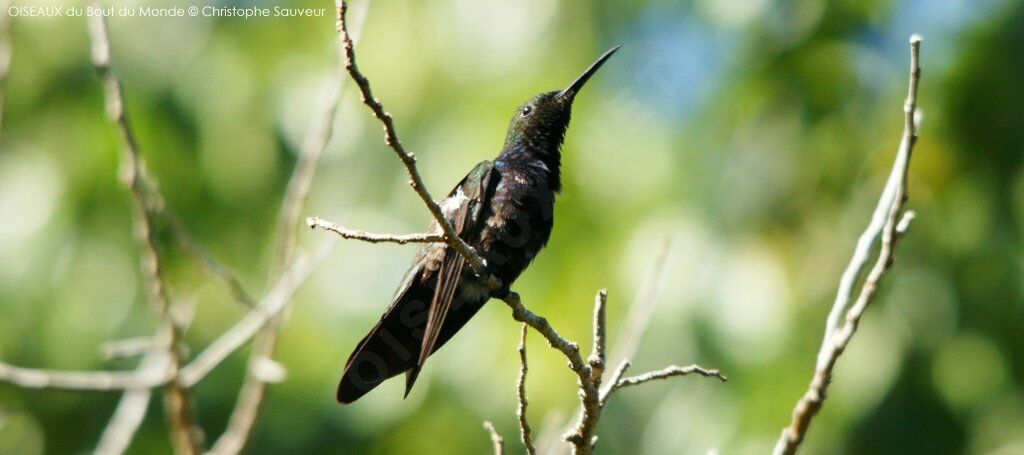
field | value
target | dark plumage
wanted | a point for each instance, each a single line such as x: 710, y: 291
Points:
x: 505, y: 211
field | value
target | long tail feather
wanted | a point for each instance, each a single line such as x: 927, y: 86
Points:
x: 391, y: 348
x: 448, y: 280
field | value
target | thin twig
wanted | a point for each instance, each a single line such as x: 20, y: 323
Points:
x: 250, y: 397
x: 525, y: 432
x: 665, y: 373
x: 316, y: 222
x: 130, y: 347
x: 162, y: 367
x: 271, y: 305
x: 879, y: 217
x: 588, y: 372
x: 313, y: 147
x: 890, y: 208
x: 643, y: 307
x: 207, y: 262
x: 184, y: 434
x: 160, y: 374
x: 152, y: 374
x: 157, y: 208
x: 86, y: 381
x: 597, y: 357
x: 540, y: 324
x: 496, y: 441
x: 581, y: 437
x: 130, y: 411
x: 616, y: 377
x: 640, y: 313
x: 408, y: 159
x: 297, y: 191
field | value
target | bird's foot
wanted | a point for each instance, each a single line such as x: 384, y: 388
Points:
x: 501, y: 293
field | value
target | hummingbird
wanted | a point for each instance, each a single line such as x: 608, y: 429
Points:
x: 504, y: 209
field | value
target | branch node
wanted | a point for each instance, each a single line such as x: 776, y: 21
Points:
x: 496, y: 441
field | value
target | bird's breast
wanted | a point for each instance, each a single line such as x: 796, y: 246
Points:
x: 519, y: 220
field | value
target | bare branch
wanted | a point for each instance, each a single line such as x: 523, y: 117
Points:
x: 252, y: 322
x: 127, y: 418
x: 133, y: 167
x: 669, y: 372
x: 640, y: 313
x: 588, y: 393
x: 198, y: 254
x: 597, y: 356
x: 862, y: 252
x: 569, y: 349
x: 581, y: 436
x: 643, y: 307
x: 616, y: 377
x: 904, y: 225
x: 243, y: 418
x: 889, y: 210
x: 408, y: 159
x: 496, y: 440
x: 88, y: 381
x: 250, y: 397
x: 297, y: 191
x: 184, y: 434
x: 315, y: 222
x: 130, y: 347
x: 313, y: 147
x: 130, y: 411
x: 525, y: 432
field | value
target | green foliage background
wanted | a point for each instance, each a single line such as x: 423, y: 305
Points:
x: 755, y: 135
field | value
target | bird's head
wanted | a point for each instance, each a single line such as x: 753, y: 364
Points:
x: 539, y: 124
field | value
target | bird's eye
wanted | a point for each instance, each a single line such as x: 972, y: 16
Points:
x: 527, y: 110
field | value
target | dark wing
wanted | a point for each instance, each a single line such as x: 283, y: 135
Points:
x: 394, y: 345
x: 462, y: 209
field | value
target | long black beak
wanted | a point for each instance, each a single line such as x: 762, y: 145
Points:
x: 570, y: 91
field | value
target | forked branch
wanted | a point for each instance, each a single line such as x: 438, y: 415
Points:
x: 177, y: 400
x: 889, y: 221
x: 407, y: 158
x: 592, y: 398
x: 497, y: 443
